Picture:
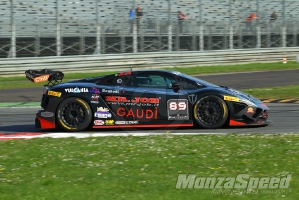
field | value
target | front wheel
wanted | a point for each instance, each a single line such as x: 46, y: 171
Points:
x: 73, y: 114
x: 210, y: 112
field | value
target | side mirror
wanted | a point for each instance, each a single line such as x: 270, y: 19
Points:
x: 176, y: 86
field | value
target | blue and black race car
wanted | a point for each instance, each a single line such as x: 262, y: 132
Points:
x: 144, y: 98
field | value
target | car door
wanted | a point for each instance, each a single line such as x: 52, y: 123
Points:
x: 144, y: 99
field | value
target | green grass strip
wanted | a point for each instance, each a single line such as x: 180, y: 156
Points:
x: 145, y: 167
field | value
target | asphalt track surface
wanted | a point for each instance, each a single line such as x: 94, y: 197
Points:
x: 285, y: 117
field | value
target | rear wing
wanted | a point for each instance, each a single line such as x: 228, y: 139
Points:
x: 53, y: 77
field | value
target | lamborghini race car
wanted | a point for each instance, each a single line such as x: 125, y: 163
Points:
x: 144, y: 99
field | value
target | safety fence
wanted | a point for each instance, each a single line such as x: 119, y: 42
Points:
x: 120, y: 62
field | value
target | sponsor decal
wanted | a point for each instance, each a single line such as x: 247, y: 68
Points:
x: 138, y: 113
x: 41, y: 78
x: 250, y: 110
x: 177, y: 109
x: 192, y: 98
x: 109, y: 122
x: 233, y: 90
x: 95, y: 97
x: 126, y: 122
x: 120, y: 122
x: 230, y: 98
x: 110, y: 91
x: 99, y: 122
x: 53, y: 93
x: 124, y: 73
x: 119, y: 80
x: 102, y: 113
x: 47, y: 114
x: 94, y: 90
x: 134, y: 100
x: 76, y: 90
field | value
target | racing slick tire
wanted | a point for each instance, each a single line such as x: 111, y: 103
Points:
x: 210, y: 112
x: 73, y: 114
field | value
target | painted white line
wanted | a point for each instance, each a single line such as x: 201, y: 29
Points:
x: 87, y: 135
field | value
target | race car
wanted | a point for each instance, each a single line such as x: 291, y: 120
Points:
x: 142, y: 99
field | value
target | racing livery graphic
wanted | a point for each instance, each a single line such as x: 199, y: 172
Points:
x: 143, y: 98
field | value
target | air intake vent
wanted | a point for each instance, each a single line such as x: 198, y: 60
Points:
x: 238, y: 107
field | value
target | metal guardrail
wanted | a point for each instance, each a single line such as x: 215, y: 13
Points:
x: 119, y: 62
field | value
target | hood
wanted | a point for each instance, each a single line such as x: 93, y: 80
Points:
x: 244, y: 97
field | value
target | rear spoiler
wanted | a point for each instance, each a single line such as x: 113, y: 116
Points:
x: 53, y: 77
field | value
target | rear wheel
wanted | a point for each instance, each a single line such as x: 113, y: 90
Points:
x: 210, y: 112
x: 73, y: 114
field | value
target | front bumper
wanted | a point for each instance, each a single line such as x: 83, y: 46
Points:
x: 45, y: 120
x: 242, y: 114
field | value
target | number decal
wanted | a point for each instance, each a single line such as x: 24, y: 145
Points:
x: 177, y: 106
x: 177, y: 109
x: 182, y: 105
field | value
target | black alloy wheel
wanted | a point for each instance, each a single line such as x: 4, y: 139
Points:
x: 210, y: 112
x: 73, y: 114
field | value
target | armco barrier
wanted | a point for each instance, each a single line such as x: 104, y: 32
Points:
x: 119, y: 62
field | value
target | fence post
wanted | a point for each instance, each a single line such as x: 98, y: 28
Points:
x: 98, y: 27
x: 169, y: 27
x: 258, y: 36
x: 201, y: 37
x: 231, y: 37
x: 169, y: 37
x: 284, y: 36
x: 135, y: 37
x: 12, y: 52
x: 58, y: 39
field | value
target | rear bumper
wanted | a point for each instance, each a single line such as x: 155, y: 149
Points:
x: 45, y: 120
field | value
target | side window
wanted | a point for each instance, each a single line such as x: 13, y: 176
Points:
x: 187, y: 84
x: 114, y: 80
x: 152, y: 80
x: 191, y: 85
